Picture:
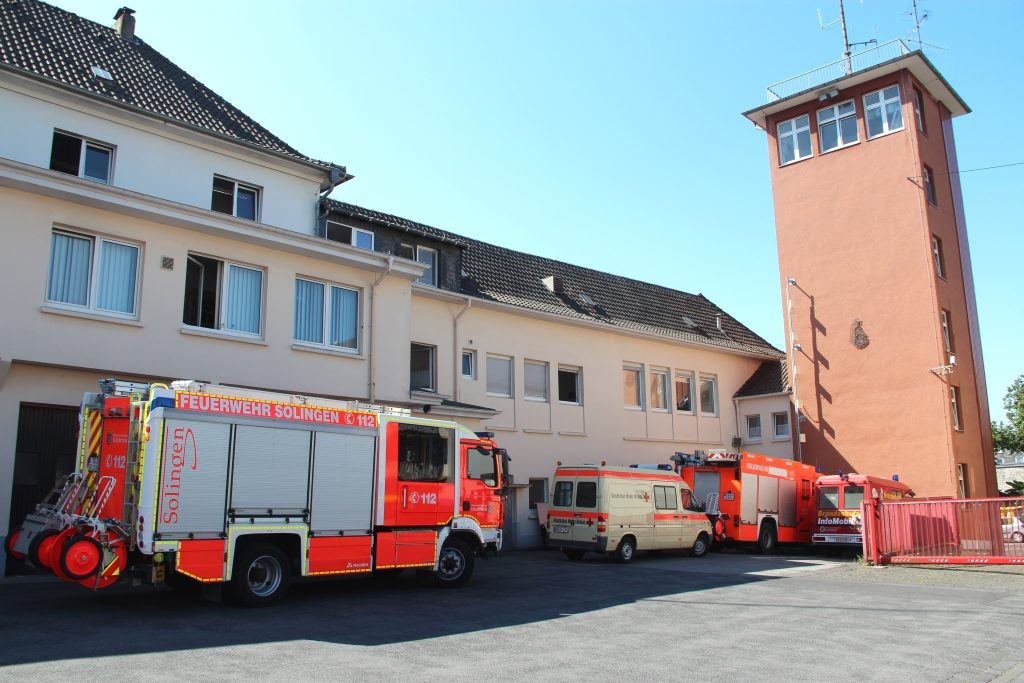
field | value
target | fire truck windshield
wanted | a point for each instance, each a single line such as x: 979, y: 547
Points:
x: 828, y: 498
x: 853, y: 496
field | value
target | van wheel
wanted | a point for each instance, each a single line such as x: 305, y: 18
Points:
x: 574, y: 555
x: 702, y: 545
x: 768, y: 539
x: 455, y: 565
x: 261, y: 576
x: 626, y: 550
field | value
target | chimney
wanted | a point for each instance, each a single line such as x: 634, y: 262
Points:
x: 124, y: 23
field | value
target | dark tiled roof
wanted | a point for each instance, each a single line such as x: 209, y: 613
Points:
x: 396, y: 222
x: 771, y: 378
x: 51, y: 43
x: 511, y: 277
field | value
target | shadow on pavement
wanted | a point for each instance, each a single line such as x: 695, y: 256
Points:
x: 48, y: 620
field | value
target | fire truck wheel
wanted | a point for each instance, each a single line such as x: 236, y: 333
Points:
x: 626, y: 550
x: 574, y: 555
x: 36, y: 550
x: 455, y: 565
x: 260, y: 576
x: 702, y: 545
x: 12, y: 538
x: 1017, y: 537
x: 768, y: 539
x: 81, y: 557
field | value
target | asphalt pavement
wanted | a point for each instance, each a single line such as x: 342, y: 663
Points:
x: 534, y: 615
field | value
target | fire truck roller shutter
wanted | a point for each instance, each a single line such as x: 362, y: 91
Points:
x: 193, y: 477
x: 271, y: 470
x: 705, y: 483
x: 787, y: 502
x: 342, y: 481
x: 748, y: 508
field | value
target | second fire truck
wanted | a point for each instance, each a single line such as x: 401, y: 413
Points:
x: 250, y: 489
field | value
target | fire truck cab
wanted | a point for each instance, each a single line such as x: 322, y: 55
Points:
x: 250, y: 489
x: 840, y: 519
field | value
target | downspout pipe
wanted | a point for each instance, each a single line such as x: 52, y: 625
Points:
x: 370, y: 355
x: 457, y: 365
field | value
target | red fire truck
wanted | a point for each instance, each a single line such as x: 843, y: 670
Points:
x: 752, y: 498
x: 839, y: 521
x: 249, y: 488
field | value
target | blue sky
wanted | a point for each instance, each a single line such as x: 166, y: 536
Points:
x: 606, y: 134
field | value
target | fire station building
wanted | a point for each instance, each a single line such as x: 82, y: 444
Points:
x: 152, y: 231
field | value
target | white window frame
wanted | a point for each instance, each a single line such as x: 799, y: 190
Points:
x: 947, y: 331
x: 432, y: 356
x: 659, y: 376
x: 714, y: 392
x: 930, y: 191
x: 236, y: 185
x: 836, y: 119
x: 954, y: 405
x: 223, y: 288
x: 638, y: 371
x: 430, y: 276
x: 684, y: 374
x: 94, y: 279
x: 86, y: 144
x: 324, y: 342
x: 577, y: 371
x: 938, y: 257
x: 511, y: 376
x: 776, y: 434
x: 795, y: 133
x: 881, y: 104
x: 534, y: 396
x: 471, y: 355
x: 354, y: 234
x: 919, y: 110
x: 754, y: 425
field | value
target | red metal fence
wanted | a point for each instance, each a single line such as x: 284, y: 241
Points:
x: 965, y: 531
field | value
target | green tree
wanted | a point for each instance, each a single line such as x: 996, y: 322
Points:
x: 1009, y: 435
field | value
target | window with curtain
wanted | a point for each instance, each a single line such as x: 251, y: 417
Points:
x: 326, y: 315
x: 93, y: 273
x: 535, y: 380
x: 220, y: 295
x: 499, y: 376
x: 708, y: 395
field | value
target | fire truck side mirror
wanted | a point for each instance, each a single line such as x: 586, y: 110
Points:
x: 505, y: 478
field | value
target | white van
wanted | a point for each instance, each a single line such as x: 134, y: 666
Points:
x: 619, y: 510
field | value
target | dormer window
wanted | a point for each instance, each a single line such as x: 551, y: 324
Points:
x: 357, y: 237
x: 427, y: 256
x: 235, y: 199
x: 77, y: 156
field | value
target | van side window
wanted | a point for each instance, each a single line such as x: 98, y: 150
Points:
x: 586, y: 494
x: 563, y: 495
x: 424, y: 452
x: 665, y: 498
x: 688, y: 501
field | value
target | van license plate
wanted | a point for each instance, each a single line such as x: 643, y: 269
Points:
x: 559, y: 529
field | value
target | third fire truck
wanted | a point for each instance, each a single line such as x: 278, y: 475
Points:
x: 753, y: 498
x: 249, y: 488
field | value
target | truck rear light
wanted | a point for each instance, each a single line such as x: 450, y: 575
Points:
x: 602, y: 524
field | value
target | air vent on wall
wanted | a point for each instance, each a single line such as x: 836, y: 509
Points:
x: 167, y: 263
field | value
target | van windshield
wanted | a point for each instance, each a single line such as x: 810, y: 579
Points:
x: 828, y: 498
x: 853, y: 496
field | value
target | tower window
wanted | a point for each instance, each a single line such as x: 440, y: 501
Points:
x: 837, y: 126
x: 795, y: 139
x: 929, y: 186
x: 882, y: 111
x: 919, y: 111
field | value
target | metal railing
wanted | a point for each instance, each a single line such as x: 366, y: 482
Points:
x: 830, y: 72
x: 954, y: 531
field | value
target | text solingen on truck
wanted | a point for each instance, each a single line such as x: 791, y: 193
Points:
x: 250, y: 488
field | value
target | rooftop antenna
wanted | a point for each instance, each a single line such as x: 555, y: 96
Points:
x: 847, y: 61
x: 919, y: 16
